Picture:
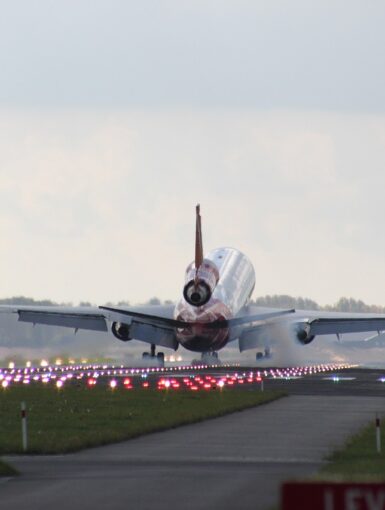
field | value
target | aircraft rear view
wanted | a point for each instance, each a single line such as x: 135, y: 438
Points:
x: 214, y: 309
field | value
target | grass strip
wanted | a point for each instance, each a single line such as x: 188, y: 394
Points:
x: 73, y: 418
x: 358, y: 460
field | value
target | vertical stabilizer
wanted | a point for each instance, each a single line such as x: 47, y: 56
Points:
x: 201, y: 278
x: 198, y: 240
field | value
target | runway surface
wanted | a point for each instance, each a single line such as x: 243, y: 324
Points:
x: 237, y: 461
x: 351, y: 381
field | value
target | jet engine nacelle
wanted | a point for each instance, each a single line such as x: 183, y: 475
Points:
x: 200, y: 284
x: 121, y: 331
x: 303, y: 334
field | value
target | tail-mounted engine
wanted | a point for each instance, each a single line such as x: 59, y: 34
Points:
x: 200, y: 284
x: 303, y: 335
x: 121, y: 331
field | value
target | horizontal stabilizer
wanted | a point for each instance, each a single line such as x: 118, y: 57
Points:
x: 172, y: 323
x: 148, y: 318
x: 247, y: 319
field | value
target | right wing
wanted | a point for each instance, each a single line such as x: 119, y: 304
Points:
x: 305, y: 325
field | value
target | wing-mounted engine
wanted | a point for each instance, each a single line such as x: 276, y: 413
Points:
x: 302, y: 332
x: 200, y: 284
x: 121, y: 331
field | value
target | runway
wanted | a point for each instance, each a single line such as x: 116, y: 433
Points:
x: 349, y: 382
x: 237, y: 461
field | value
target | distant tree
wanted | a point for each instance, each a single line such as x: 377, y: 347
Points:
x: 22, y: 300
x: 285, y: 301
x: 85, y: 303
x: 354, y: 306
x: 153, y: 301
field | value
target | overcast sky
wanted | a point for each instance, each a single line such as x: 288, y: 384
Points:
x: 117, y: 117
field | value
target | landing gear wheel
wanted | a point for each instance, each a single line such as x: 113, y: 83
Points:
x: 160, y: 358
x: 156, y: 358
x: 267, y: 353
x: 259, y: 356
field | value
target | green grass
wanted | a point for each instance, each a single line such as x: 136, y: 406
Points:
x: 358, y: 460
x: 75, y: 418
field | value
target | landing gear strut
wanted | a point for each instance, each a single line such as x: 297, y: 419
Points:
x: 153, y: 356
x: 210, y: 358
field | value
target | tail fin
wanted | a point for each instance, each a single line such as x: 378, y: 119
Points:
x: 198, y: 240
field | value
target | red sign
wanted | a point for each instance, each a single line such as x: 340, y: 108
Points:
x: 333, y: 496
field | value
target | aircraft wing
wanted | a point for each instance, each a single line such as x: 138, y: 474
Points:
x: 313, y: 323
x: 89, y: 318
x: 151, y: 324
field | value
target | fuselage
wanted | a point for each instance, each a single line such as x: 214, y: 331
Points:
x: 235, y: 281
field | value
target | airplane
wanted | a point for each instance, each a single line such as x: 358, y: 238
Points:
x: 214, y: 310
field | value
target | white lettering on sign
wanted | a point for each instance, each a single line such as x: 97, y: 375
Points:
x: 375, y: 501
x: 352, y: 499
x: 328, y: 500
x: 358, y: 499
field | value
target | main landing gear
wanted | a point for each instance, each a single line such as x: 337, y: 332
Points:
x: 210, y: 358
x: 152, y: 356
x: 263, y: 355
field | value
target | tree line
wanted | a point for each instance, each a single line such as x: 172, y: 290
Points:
x: 344, y: 304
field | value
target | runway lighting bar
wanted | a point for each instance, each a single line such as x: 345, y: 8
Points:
x: 193, y: 378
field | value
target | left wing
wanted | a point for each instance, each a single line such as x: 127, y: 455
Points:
x: 89, y: 318
x: 147, y: 326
